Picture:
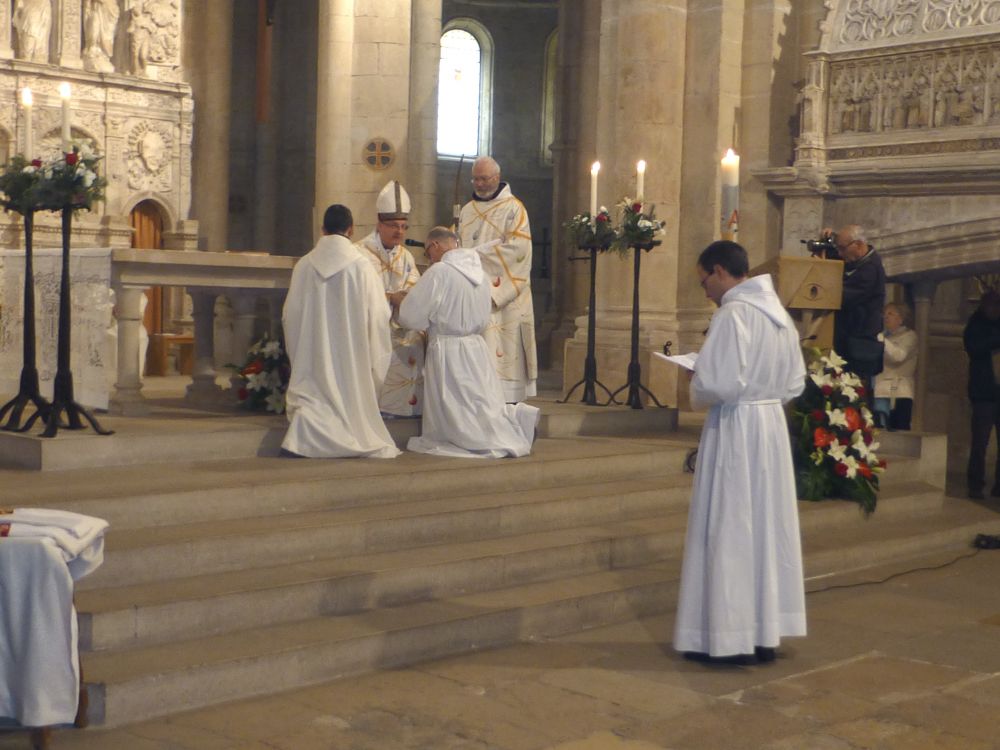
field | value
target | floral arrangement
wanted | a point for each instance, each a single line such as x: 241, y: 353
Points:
x: 638, y: 227
x: 70, y: 180
x: 586, y: 231
x: 833, y: 436
x: 265, y: 376
x: 19, y: 184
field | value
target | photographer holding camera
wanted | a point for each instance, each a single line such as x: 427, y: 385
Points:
x: 857, y: 333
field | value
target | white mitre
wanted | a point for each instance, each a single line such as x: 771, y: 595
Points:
x: 393, y: 202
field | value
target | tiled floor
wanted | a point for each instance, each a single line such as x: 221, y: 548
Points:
x: 912, y: 663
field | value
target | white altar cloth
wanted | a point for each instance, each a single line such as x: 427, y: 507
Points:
x: 39, y: 660
x: 90, y: 311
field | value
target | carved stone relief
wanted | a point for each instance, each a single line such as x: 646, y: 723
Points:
x: 32, y: 21
x: 940, y: 89
x: 100, y: 24
x: 866, y: 21
x: 149, y: 154
x: 153, y: 29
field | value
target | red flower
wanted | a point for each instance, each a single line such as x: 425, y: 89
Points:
x: 636, y: 207
x: 861, y: 390
x: 253, y: 368
x: 853, y: 417
x: 840, y: 469
x: 36, y: 163
x: 412, y: 401
x: 865, y: 470
x: 242, y: 394
x: 822, y: 438
x: 602, y: 218
x: 867, y: 437
x: 818, y: 415
x: 827, y: 390
x: 72, y: 158
x: 882, y: 463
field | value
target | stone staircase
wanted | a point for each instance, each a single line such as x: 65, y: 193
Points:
x: 240, y: 576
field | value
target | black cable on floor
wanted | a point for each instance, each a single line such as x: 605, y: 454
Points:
x: 896, y: 575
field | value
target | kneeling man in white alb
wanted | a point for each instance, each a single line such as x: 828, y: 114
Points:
x: 464, y: 410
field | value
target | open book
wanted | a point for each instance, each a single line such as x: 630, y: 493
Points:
x: 683, y: 360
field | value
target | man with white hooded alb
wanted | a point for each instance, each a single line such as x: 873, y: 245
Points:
x: 336, y: 326
x: 464, y: 410
x: 742, y: 588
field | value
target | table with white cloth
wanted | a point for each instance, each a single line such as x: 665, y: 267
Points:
x: 42, y: 553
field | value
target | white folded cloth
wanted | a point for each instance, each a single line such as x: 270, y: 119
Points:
x: 80, y: 538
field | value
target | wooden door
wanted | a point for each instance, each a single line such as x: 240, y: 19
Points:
x: 147, y: 225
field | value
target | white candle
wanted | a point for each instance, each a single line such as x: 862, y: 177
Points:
x: 29, y: 142
x: 731, y: 169
x: 64, y: 92
x: 640, y: 180
x: 594, y: 169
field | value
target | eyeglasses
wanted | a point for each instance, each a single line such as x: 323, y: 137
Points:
x: 489, y: 178
x: 707, y: 277
x: 399, y: 226
x: 844, y: 247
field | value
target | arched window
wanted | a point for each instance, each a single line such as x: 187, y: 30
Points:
x: 464, y: 88
x: 549, y: 97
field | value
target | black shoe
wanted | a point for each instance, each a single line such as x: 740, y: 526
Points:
x: 976, y: 495
x: 703, y: 658
x: 700, y: 656
x: 764, y: 654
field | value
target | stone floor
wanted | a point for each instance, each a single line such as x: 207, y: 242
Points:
x: 913, y: 662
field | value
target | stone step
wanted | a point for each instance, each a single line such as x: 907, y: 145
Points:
x: 130, y: 686
x: 165, y: 552
x: 241, y: 488
x: 147, y: 614
x: 897, y: 500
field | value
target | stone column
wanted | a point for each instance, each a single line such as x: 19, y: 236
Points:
x: 127, y: 398
x: 425, y: 54
x: 333, y: 104
x: 266, y: 146
x: 203, y: 388
x: 923, y: 298
x: 208, y: 27
x: 6, y: 48
x: 244, y: 319
x: 70, y: 30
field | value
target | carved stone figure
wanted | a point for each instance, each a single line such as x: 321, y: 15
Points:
x: 33, y: 21
x: 893, y: 113
x: 100, y: 21
x: 915, y: 101
x: 140, y: 34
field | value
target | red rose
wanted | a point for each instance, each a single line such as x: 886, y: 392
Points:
x: 864, y: 470
x: 253, y: 368
x: 636, y: 207
x: 827, y: 390
x: 822, y: 438
x: 818, y: 415
x: 840, y: 469
x: 72, y: 158
x: 882, y: 463
x: 242, y: 394
x: 861, y: 390
x: 867, y: 437
x: 36, y: 163
x: 602, y: 218
x: 853, y: 417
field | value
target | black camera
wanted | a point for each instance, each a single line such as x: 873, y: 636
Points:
x: 824, y: 247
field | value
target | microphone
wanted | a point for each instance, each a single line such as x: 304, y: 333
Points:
x: 413, y: 243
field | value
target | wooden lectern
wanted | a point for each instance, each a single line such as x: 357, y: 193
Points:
x: 811, y: 290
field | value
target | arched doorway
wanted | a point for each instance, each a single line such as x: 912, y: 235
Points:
x: 146, y: 221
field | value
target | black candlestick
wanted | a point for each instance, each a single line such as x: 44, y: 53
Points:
x: 634, y: 381
x: 28, y: 393
x: 63, y: 400
x: 590, y: 363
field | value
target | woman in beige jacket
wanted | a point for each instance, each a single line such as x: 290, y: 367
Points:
x: 894, y: 385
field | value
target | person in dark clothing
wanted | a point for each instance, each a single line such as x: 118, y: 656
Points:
x: 858, y: 323
x: 982, y: 344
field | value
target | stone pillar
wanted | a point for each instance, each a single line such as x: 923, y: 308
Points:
x: 275, y: 302
x: 208, y: 27
x: 425, y: 54
x: 334, y: 105
x: 802, y: 219
x: 266, y: 146
x: 203, y: 388
x: 923, y: 298
x: 127, y: 398
x: 6, y: 48
x: 244, y: 320
x: 70, y: 30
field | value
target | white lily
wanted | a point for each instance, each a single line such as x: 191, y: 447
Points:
x: 834, y: 360
x: 867, y: 452
x: 850, y: 392
x: 837, y: 417
x: 275, y: 402
x: 257, y: 381
x: 838, y: 451
x: 820, y: 379
x: 272, y: 349
x: 852, y: 466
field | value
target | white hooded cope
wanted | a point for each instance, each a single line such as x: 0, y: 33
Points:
x: 742, y: 584
x: 464, y: 410
x: 337, y: 333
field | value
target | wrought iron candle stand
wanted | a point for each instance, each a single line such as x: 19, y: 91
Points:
x: 29, y: 392
x: 589, y: 379
x: 634, y: 381
x: 62, y: 397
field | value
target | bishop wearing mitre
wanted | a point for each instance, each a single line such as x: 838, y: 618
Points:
x: 402, y: 392
x: 495, y: 214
